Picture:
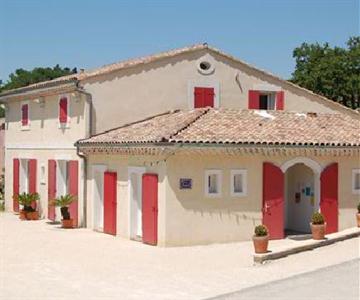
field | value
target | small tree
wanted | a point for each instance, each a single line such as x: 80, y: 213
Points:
x: 63, y: 202
x: 27, y: 199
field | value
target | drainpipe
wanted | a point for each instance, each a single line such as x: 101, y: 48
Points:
x: 88, y: 99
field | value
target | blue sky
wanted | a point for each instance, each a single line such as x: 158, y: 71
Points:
x: 90, y: 33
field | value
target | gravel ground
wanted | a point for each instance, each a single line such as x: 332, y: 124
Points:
x: 43, y: 261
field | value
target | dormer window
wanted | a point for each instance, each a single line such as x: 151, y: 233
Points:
x: 266, y: 100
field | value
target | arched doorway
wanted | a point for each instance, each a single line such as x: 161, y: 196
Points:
x: 301, y: 195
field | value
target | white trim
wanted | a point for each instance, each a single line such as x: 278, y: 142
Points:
x: 218, y: 183
x: 26, y: 127
x: 243, y: 173
x: 62, y: 157
x: 67, y: 124
x: 42, y: 173
x: 39, y: 147
x: 139, y: 171
x: 312, y: 164
x: 265, y: 87
x: 353, y: 176
x: 206, y: 83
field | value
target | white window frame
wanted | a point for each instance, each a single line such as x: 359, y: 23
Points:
x: 354, y: 173
x: 203, y: 84
x: 67, y: 124
x: 26, y: 127
x: 243, y: 173
x: 219, y: 183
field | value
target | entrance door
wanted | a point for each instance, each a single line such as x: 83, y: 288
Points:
x: 273, y: 200
x: 135, y: 199
x: 329, y: 197
x: 149, y: 208
x: 110, y: 181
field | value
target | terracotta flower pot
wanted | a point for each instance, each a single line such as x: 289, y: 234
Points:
x: 261, y: 243
x: 32, y: 215
x: 67, y: 223
x: 318, y: 231
x: 22, y: 215
x: 358, y: 219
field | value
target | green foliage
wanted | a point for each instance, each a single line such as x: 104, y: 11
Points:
x: 26, y: 199
x: 317, y: 218
x: 261, y: 230
x: 358, y: 208
x: 63, y: 201
x: 331, y: 72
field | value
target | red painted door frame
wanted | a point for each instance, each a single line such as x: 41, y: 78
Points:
x: 273, y: 200
x: 16, y: 183
x: 73, y: 169
x: 51, y: 189
x: 150, y: 208
x: 110, y: 202
x: 329, y: 197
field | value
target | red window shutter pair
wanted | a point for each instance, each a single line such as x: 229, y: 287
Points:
x: 254, y: 100
x: 63, y: 110
x: 25, y: 114
x: 203, y: 97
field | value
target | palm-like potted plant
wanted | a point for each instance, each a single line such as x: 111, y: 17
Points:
x: 261, y: 239
x: 358, y: 215
x: 64, y: 202
x: 26, y: 200
x: 318, y: 226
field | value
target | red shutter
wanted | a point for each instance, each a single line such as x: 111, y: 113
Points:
x: 280, y: 100
x: 51, y: 188
x: 25, y: 114
x: 16, y: 183
x: 150, y: 208
x: 203, y: 97
x: 329, y: 197
x: 273, y: 200
x: 73, y: 169
x: 32, y: 178
x: 110, y: 202
x: 63, y: 110
x: 254, y: 99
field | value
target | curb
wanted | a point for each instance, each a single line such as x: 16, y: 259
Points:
x: 261, y: 258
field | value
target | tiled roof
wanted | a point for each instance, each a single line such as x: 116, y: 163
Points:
x: 232, y: 126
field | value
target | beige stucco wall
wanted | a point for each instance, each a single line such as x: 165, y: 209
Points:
x: 188, y: 217
x: 120, y: 164
x: 44, y: 140
x: 142, y: 91
x: 192, y: 218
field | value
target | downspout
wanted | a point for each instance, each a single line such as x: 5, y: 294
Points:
x: 88, y: 133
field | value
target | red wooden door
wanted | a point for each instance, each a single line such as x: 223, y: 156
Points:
x: 16, y: 183
x: 32, y: 178
x: 203, y: 97
x: 110, y: 182
x: 150, y: 208
x: 51, y: 189
x: 73, y: 171
x: 329, y: 197
x: 273, y: 200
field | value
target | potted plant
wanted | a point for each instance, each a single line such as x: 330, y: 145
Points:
x: 318, y: 226
x: 26, y: 200
x: 358, y: 215
x: 261, y: 239
x: 63, y: 202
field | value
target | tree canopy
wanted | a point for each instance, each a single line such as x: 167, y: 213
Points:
x: 21, y: 77
x: 333, y: 72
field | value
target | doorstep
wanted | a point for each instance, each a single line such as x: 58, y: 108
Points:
x: 282, y: 248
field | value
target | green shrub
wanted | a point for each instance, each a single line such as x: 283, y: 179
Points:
x: 317, y: 219
x: 261, y: 230
x: 358, y: 208
x: 26, y: 200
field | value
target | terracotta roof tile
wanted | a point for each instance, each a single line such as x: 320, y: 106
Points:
x: 232, y: 126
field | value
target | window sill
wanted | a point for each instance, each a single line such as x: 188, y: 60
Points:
x: 238, y: 195
x: 64, y: 125
x: 25, y: 128
x: 218, y: 195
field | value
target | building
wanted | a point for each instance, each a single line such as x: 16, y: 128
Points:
x: 44, y: 121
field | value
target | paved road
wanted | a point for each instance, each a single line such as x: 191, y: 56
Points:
x: 338, y: 282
